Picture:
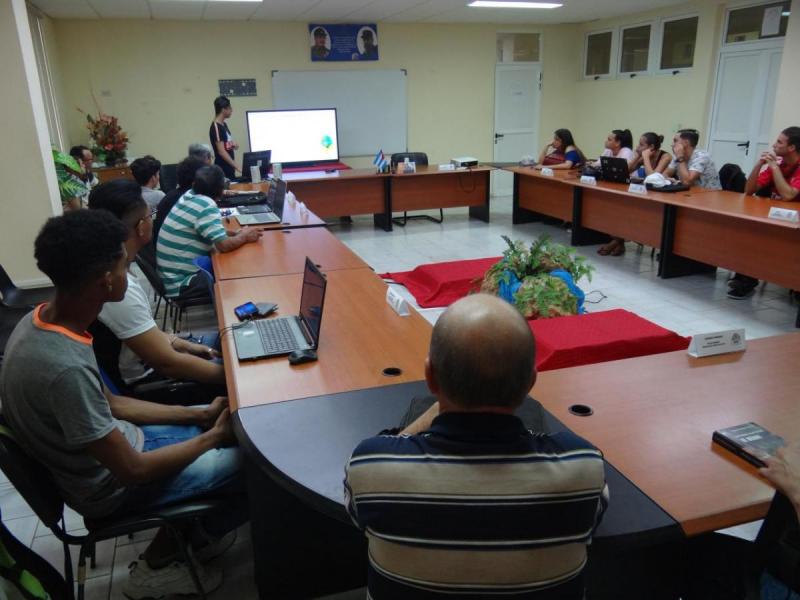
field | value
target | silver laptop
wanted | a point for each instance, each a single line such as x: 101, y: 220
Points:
x: 283, y: 335
x: 273, y: 209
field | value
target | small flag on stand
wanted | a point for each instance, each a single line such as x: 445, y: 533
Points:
x: 380, y: 161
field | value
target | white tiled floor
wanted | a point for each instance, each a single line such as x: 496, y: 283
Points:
x: 687, y: 305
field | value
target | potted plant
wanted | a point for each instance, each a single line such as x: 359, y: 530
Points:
x: 110, y: 142
x: 539, y: 280
x: 70, y: 186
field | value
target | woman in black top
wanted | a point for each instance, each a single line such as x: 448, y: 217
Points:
x: 221, y: 139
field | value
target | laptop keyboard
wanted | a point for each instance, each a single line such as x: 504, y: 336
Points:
x: 276, y: 335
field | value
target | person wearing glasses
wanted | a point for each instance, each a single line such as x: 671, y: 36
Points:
x: 692, y: 166
x: 146, y: 350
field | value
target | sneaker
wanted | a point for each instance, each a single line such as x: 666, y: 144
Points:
x: 214, y: 547
x: 144, y: 582
x: 741, y: 292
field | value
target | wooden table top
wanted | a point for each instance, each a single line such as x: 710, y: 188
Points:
x: 434, y: 170
x: 654, y: 417
x: 322, y: 175
x: 284, y: 252
x: 360, y: 337
x: 720, y: 202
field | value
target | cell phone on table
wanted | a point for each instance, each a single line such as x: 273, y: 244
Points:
x: 246, y: 311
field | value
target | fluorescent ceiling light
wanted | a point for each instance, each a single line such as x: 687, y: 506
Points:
x: 511, y: 4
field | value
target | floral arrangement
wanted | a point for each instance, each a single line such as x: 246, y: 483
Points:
x: 110, y: 141
x: 540, y: 280
x: 68, y: 173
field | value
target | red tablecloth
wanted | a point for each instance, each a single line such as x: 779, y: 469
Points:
x: 599, y: 337
x: 441, y: 284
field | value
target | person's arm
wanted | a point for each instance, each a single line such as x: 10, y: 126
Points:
x: 130, y: 466
x: 219, y: 143
x: 783, y: 470
x: 177, y: 359
x: 633, y: 161
x: 141, y: 412
x: 752, y: 184
x: 542, y: 154
x: 239, y: 239
x: 784, y: 189
x: 423, y: 422
x: 662, y: 165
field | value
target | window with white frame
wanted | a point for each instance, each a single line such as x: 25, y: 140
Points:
x: 678, y: 40
x: 753, y: 23
x: 598, y: 54
x: 635, y: 49
x: 518, y: 47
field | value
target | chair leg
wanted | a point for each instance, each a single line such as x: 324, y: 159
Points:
x: 402, y: 222
x: 93, y: 556
x: 86, y: 548
x: 68, y: 575
x: 183, y: 544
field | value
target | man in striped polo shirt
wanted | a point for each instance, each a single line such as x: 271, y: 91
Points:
x: 191, y: 229
x: 466, y: 502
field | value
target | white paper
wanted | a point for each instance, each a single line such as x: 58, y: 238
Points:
x: 771, y: 23
x: 397, y: 302
x: 784, y: 214
x: 717, y: 342
x: 637, y: 188
x: 447, y: 167
x: 588, y: 179
x: 547, y: 172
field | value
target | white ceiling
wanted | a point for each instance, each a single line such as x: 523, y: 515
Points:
x: 408, y: 11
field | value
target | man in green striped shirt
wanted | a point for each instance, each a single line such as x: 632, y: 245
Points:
x: 191, y: 229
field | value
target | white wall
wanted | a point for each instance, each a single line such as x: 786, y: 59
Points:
x: 788, y: 93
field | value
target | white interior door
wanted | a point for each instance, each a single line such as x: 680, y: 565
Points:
x: 517, y: 94
x: 744, y: 98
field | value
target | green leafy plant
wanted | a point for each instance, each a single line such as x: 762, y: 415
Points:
x: 540, y: 294
x: 68, y: 172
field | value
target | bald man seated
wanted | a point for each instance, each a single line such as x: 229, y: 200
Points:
x: 466, y: 501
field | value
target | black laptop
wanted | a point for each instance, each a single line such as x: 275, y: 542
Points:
x: 265, y: 214
x: 252, y: 159
x: 283, y: 335
x: 614, y: 169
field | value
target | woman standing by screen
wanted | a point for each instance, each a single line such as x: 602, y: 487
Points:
x: 221, y: 139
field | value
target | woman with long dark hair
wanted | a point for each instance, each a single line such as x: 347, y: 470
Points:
x: 562, y: 153
x: 649, y: 155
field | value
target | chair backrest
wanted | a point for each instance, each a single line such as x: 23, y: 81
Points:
x: 146, y: 259
x: 30, y: 478
x: 732, y: 178
x: 6, y: 285
x: 107, y: 348
x: 169, y: 177
x: 420, y: 158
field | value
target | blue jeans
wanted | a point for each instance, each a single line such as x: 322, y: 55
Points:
x: 772, y: 589
x: 216, y: 474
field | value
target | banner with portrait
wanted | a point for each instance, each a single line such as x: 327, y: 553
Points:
x: 343, y: 42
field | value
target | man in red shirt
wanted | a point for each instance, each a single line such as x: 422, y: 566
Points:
x: 776, y: 175
x: 781, y: 175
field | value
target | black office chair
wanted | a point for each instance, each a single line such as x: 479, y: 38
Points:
x: 420, y: 159
x: 14, y: 297
x: 169, y: 177
x: 146, y: 259
x: 732, y: 178
x: 33, y: 481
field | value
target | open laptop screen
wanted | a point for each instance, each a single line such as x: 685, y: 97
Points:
x: 312, y: 299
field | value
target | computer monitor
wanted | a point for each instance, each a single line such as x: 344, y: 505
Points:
x: 306, y: 136
x: 252, y: 159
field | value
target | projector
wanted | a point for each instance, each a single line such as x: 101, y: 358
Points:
x: 464, y: 161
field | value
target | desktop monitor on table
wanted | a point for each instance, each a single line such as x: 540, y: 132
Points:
x: 296, y: 137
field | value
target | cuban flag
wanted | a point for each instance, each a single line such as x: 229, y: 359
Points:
x: 380, y: 160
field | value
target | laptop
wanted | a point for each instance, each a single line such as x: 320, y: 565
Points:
x: 614, y: 169
x: 265, y: 214
x: 252, y: 159
x: 283, y: 335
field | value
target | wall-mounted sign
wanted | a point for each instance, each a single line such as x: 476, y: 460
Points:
x: 237, y: 87
x: 343, y: 42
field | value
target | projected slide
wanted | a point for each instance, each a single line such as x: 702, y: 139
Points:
x: 294, y: 136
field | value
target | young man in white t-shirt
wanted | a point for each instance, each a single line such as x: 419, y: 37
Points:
x: 145, y: 347
x: 692, y: 166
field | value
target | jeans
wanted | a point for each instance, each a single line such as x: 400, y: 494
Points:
x: 216, y: 474
x: 772, y: 589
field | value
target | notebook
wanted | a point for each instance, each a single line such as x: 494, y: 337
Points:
x: 749, y: 441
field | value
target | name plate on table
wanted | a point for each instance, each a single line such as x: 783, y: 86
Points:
x: 547, y: 172
x: 717, y: 342
x: 588, y: 179
x: 784, y: 214
x: 447, y: 167
x: 637, y: 188
x: 397, y: 302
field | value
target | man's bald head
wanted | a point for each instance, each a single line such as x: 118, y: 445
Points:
x: 483, y: 353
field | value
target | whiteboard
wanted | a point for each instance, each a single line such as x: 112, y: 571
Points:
x: 371, y: 105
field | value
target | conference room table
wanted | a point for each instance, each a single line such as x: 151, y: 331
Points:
x: 294, y: 217
x: 363, y: 191
x: 694, y: 231
x: 284, y: 251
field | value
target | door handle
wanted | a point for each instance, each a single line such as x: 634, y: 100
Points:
x: 746, y: 146
x: 498, y: 135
